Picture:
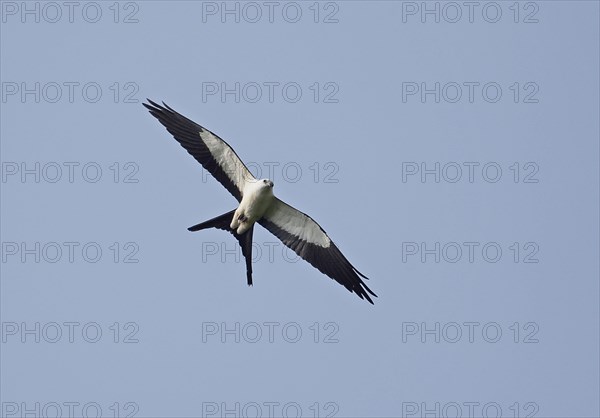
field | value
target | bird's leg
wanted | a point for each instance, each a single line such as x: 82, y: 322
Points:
x: 239, y: 217
x: 244, y: 224
x: 235, y: 220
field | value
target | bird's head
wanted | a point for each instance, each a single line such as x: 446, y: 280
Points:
x: 267, y: 183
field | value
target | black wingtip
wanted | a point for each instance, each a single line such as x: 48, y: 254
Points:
x: 366, y: 296
x: 154, y: 107
x: 363, y: 291
x: 167, y: 107
x: 151, y: 106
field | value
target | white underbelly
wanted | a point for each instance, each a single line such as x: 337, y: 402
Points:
x: 255, y: 206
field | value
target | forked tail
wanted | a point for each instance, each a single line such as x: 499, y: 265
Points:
x: 245, y: 239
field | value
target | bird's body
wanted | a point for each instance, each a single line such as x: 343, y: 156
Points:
x: 257, y: 197
x: 257, y: 204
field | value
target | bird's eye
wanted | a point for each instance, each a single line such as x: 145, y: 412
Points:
x: 264, y: 181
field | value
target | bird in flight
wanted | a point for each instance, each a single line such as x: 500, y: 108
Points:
x: 257, y: 203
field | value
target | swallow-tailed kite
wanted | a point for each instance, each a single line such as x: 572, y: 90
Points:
x: 257, y: 203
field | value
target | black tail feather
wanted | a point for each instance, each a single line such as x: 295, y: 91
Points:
x: 220, y: 222
x: 245, y: 239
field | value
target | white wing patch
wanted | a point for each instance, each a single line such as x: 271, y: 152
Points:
x: 227, y: 160
x: 297, y: 223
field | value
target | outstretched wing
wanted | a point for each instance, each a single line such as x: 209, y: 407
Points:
x: 215, y: 155
x: 306, y: 238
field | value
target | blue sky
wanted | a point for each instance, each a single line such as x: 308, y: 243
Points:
x: 450, y: 151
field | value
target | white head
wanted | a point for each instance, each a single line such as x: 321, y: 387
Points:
x: 266, y: 183
x: 260, y: 187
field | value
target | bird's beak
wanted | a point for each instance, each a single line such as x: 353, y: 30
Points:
x: 271, y: 184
